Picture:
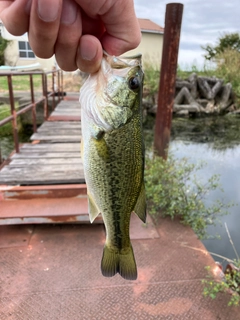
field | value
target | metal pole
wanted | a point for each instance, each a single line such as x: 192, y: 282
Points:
x: 46, y: 95
x: 62, y: 84
x: 33, y: 105
x: 173, y: 19
x: 59, y: 88
x: 13, y: 113
x: 53, y: 89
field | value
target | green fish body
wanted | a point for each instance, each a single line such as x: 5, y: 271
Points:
x: 113, y: 156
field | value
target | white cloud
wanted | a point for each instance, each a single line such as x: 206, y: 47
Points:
x: 203, y: 23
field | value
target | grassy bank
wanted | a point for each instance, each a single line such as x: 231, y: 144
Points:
x: 4, y: 113
x: 20, y: 83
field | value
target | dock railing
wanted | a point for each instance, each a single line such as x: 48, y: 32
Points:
x: 56, y: 77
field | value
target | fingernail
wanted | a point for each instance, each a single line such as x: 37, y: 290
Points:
x: 87, y: 52
x: 69, y: 12
x: 48, y: 10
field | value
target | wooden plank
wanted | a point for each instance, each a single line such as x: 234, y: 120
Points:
x: 69, y: 103
x: 51, y: 147
x: 65, y: 114
x: 63, y: 104
x: 69, y: 106
x: 42, y: 179
x: 61, y: 124
x: 29, y: 155
x: 47, y: 168
x: 69, y: 109
x: 64, y: 118
x: 60, y: 131
x: 39, y: 136
x: 44, y: 161
x: 65, y: 111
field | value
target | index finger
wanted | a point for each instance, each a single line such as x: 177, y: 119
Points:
x: 15, y: 16
x: 120, y: 21
x: 44, y: 26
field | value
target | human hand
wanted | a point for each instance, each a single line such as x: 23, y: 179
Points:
x: 76, y: 31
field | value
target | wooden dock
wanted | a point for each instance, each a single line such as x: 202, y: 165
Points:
x: 46, y: 173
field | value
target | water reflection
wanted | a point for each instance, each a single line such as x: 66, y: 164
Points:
x: 220, y: 132
x: 216, y: 142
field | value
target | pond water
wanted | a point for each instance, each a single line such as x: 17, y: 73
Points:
x: 216, y: 141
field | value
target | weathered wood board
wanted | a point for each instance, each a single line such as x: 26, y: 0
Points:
x: 54, y: 156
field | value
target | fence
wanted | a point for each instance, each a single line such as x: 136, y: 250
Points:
x: 57, y: 82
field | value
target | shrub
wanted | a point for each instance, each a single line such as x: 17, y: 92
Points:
x: 230, y: 283
x: 151, y: 79
x: 174, y: 190
x: 228, y: 69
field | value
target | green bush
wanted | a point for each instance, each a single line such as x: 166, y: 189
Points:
x: 174, y: 190
x: 231, y: 281
x: 151, y: 79
x: 4, y: 113
x: 228, y: 69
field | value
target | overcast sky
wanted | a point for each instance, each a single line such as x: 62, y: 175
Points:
x: 204, y: 21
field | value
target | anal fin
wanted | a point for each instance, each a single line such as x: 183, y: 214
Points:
x: 141, y: 206
x: 92, y: 208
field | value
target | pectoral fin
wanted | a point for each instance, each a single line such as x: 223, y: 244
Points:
x: 102, y: 148
x: 116, y: 116
x: 92, y: 208
x: 141, y: 206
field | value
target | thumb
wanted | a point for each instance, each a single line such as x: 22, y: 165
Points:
x: 89, y: 55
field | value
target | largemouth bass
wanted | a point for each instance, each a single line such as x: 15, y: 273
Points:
x: 113, y: 156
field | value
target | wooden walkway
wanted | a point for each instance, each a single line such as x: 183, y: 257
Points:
x: 46, y: 173
x: 53, y: 157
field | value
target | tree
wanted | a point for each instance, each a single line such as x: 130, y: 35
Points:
x: 227, y: 41
x: 3, y: 45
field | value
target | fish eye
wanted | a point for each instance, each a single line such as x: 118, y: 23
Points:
x: 133, y: 83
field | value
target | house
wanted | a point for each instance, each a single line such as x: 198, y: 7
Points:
x: 19, y: 52
x: 151, y: 44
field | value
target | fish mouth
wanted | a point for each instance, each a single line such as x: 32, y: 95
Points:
x: 135, y: 56
x: 122, y: 62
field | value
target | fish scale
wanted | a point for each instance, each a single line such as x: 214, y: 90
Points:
x: 113, y: 156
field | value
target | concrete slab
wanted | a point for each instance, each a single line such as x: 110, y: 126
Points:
x: 57, y: 276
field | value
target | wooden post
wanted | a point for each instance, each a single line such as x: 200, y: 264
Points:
x: 173, y: 19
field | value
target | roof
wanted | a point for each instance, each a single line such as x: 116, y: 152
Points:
x: 147, y: 25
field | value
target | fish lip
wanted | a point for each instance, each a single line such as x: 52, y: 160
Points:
x: 121, y: 62
x: 135, y: 56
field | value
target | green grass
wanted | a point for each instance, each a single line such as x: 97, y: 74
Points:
x: 20, y: 83
x: 4, y: 113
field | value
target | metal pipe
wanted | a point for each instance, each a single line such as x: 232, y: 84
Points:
x: 59, y: 92
x: 13, y: 113
x: 6, y: 120
x: 173, y: 19
x: 53, y: 89
x: 46, y: 95
x: 28, y: 107
x: 62, y: 90
x: 33, y: 105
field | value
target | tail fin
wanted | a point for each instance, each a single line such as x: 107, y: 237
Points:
x: 116, y: 262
